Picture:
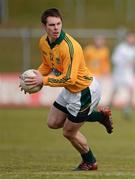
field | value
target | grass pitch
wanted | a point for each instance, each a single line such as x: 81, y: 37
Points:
x: 29, y: 149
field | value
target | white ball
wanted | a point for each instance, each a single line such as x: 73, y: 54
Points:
x: 29, y: 88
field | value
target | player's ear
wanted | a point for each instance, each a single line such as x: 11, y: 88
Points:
x: 43, y: 26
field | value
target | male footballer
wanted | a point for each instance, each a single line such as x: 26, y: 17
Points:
x: 63, y: 65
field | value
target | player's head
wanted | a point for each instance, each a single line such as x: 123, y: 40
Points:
x: 99, y: 41
x: 52, y: 22
x: 130, y: 38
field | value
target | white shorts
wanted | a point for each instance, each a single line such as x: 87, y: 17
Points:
x: 79, y: 106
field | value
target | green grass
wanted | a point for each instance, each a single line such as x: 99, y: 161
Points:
x: 29, y: 149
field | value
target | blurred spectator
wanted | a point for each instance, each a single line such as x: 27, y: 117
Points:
x: 123, y: 59
x: 97, y: 57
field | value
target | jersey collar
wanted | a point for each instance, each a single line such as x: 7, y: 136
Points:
x: 58, y: 40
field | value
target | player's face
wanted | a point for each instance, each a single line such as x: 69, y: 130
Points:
x: 131, y: 39
x: 99, y: 42
x: 53, y: 27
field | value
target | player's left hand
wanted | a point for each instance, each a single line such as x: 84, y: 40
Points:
x: 35, y: 80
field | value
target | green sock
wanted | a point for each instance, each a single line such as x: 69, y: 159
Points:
x: 95, y: 116
x: 88, y: 157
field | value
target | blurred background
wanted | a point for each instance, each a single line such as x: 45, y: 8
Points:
x: 20, y: 30
x: 27, y: 145
x: 20, y: 26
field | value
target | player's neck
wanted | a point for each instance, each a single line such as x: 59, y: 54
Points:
x: 51, y: 40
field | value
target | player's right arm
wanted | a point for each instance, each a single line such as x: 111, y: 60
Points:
x: 44, y: 68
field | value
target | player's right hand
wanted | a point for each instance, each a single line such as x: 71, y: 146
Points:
x: 21, y: 86
x: 22, y: 89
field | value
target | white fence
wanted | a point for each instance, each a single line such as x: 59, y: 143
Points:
x: 26, y: 33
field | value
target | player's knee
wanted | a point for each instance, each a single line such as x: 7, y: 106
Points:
x: 54, y: 124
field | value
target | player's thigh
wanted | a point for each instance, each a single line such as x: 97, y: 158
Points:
x: 56, y: 117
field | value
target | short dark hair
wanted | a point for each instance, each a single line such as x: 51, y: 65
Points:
x: 50, y: 12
